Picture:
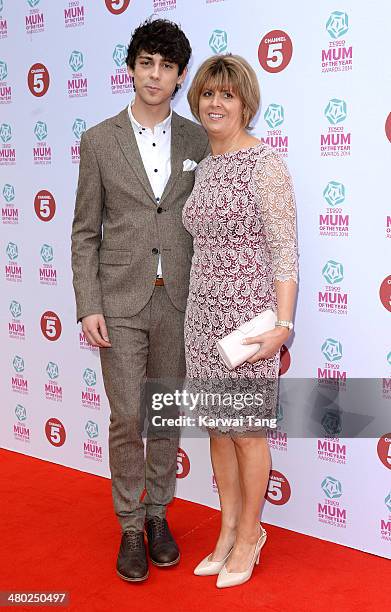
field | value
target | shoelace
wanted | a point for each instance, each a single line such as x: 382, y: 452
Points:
x: 159, y: 527
x: 134, y: 540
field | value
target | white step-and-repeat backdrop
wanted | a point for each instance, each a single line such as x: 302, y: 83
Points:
x: 325, y: 85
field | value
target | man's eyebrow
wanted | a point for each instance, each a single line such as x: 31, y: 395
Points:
x: 150, y: 57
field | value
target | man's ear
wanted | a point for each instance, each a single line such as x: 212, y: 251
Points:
x: 182, y: 77
x: 130, y: 71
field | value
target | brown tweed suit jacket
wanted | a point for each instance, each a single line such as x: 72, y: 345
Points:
x: 118, y: 229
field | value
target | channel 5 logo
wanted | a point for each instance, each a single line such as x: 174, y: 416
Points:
x: 279, y: 490
x: 183, y: 464
x: 275, y: 51
x: 385, y: 293
x: 384, y: 450
x: 51, y: 325
x: 388, y: 127
x: 44, y: 205
x: 55, y: 432
x: 116, y: 7
x: 38, y: 80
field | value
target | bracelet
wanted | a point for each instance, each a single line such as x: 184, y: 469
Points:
x: 287, y: 324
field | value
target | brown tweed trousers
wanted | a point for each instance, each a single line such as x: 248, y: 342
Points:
x: 117, y: 235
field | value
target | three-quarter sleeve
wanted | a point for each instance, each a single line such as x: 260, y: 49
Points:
x: 276, y: 199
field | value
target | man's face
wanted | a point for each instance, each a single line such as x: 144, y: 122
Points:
x: 155, y: 78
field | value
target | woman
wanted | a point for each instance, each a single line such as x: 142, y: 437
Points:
x: 241, y: 215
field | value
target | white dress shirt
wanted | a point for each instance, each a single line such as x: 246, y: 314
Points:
x: 155, y: 150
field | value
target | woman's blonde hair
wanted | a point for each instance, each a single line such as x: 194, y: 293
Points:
x: 230, y: 72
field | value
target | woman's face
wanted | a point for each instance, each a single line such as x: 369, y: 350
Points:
x: 221, y: 111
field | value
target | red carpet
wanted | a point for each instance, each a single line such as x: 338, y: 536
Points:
x: 58, y: 532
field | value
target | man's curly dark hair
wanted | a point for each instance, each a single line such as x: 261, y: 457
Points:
x: 163, y: 37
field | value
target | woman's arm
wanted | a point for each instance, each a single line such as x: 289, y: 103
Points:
x: 278, y: 209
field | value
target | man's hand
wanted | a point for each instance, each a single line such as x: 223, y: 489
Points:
x: 95, y: 330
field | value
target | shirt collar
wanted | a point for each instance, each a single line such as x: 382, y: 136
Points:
x: 163, y: 125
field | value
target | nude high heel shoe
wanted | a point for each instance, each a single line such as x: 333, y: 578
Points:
x: 210, y: 568
x: 228, y: 579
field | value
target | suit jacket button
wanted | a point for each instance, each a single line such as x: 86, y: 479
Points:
x: 155, y: 251
x: 159, y: 209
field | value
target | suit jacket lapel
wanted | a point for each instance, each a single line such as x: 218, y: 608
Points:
x: 177, y: 152
x: 127, y: 141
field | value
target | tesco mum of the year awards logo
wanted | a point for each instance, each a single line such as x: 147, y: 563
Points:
x: 35, y: 18
x: 78, y: 84
x: 16, y: 329
x: 85, y: 345
x: 279, y: 490
x: 19, y: 383
x: 5, y: 88
x: 335, y: 220
x: 53, y: 389
x: 386, y: 383
x: 91, y: 446
x: 337, y: 141
x: 276, y: 138
x: 330, y: 510
x: 330, y: 448
x: 385, y: 524
x: 55, y: 432
x: 332, y: 371
x: 331, y: 298
x: 218, y: 41
x: 42, y: 151
x: 74, y: 14
x: 278, y: 438
x: 332, y: 423
x: 3, y: 21
x: 21, y: 429
x: 13, y: 270
x: 78, y: 128
x: 89, y: 396
x: 9, y: 212
x: 275, y: 51
x: 47, y: 269
x: 116, y: 7
x: 338, y: 57
x: 120, y: 81
x: 160, y: 6
x: 7, y: 150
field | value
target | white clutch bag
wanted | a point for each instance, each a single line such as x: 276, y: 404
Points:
x: 232, y: 352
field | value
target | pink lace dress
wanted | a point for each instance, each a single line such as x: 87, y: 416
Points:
x: 241, y: 214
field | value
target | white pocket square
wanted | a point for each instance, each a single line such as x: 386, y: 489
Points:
x: 188, y: 165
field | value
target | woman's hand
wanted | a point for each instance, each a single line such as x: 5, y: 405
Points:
x: 271, y: 342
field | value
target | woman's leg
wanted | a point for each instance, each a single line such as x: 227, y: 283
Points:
x: 253, y: 457
x: 226, y: 472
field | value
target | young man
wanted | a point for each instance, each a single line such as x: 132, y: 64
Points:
x: 131, y: 279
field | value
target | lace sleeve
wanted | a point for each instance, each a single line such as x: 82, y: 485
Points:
x: 274, y: 191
